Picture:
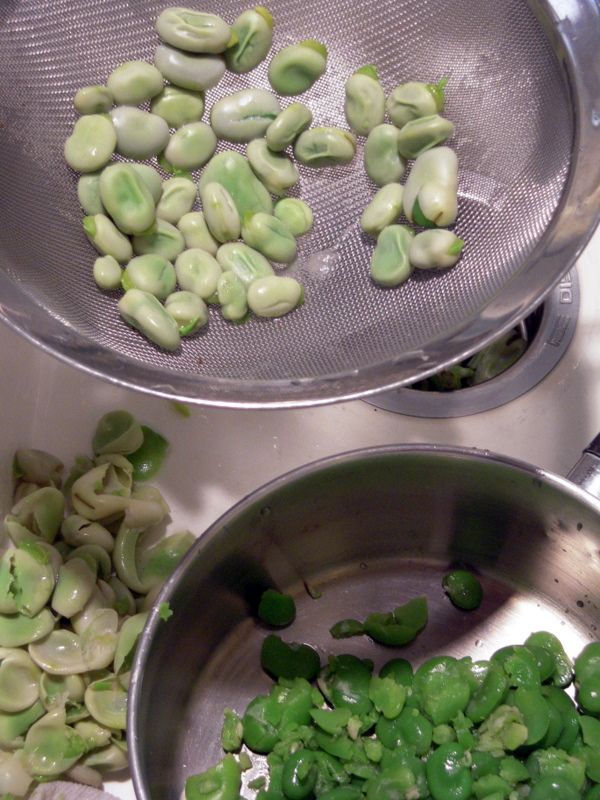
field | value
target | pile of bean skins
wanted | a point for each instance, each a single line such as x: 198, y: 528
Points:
x: 173, y: 260
x: 80, y: 569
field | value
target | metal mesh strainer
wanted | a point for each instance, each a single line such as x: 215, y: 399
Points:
x: 521, y: 93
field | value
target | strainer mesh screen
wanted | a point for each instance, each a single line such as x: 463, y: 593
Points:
x: 506, y: 95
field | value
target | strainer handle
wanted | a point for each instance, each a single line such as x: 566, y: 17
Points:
x: 586, y: 472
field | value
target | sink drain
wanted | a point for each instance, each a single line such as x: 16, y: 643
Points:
x: 550, y: 329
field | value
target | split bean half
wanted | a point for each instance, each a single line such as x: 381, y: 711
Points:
x: 151, y: 273
x: 274, y: 295
x: 220, y: 212
x: 127, y: 198
x: 93, y: 100
x: 196, y: 233
x: 177, y: 198
x: 199, y: 272
x: 415, y: 99
x: 232, y: 170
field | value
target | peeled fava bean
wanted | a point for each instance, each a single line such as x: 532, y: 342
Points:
x: 193, y: 31
x: 383, y: 162
x: 325, y: 147
x: 88, y: 193
x: 413, y: 100
x: 152, y: 273
x: 134, y: 83
x: 244, y: 115
x: 140, y: 135
x: 91, y: 143
x: 274, y: 295
x: 107, y: 273
x: 198, y: 271
x: 197, y: 72
x: 220, y: 212
x: 144, y: 312
x: 151, y: 178
x: 287, y: 126
x: 364, y: 104
x: 254, y: 31
x: 390, y: 263
x: 422, y: 134
x: 295, y: 214
x: 196, y: 234
x: 93, y: 100
x: 270, y: 237
x: 247, y: 263
x: 275, y: 170
x: 231, y: 293
x: 178, y: 106
x: 107, y: 238
x: 177, y: 198
x: 162, y: 239
x: 383, y: 210
x: 188, y: 310
x: 232, y: 170
x: 430, y: 193
x: 435, y: 248
x: 295, y: 68
x: 191, y: 146
x: 126, y: 198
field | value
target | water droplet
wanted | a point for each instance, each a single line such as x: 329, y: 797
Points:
x: 595, y: 118
x: 265, y: 511
x: 478, y: 643
x: 322, y: 264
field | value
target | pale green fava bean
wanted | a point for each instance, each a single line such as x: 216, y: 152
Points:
x: 162, y: 239
x: 288, y: 125
x: 191, y: 146
x: 144, y: 312
x: 77, y: 530
x: 275, y: 170
x: 254, y: 31
x: 364, y: 104
x: 188, y: 310
x: 14, y: 725
x: 247, y: 263
x: 91, y: 144
x: 383, y: 162
x: 19, y: 681
x: 413, y: 100
x: 188, y: 70
x: 193, y: 31
x: 93, y: 100
x: 140, y: 135
x: 421, y: 134
x: 107, y: 238
x: 220, y: 212
x: 151, y: 273
x: 430, y: 193
x: 134, y: 83
x: 52, y: 746
x: 324, y: 146
x: 390, y: 265
x: 244, y: 115
x: 295, y: 68
x: 88, y: 193
x: 74, y: 587
x: 274, y: 295
x: 177, y: 198
x: 178, y: 106
x: 198, y: 271
x: 26, y: 582
x: 107, y: 703
x: 17, y: 630
x: 435, y: 248
x: 126, y: 198
x: 233, y: 171
x: 295, y: 214
x: 107, y: 273
x: 151, y: 178
x: 383, y: 210
x: 231, y: 291
x: 196, y: 234
x: 270, y: 237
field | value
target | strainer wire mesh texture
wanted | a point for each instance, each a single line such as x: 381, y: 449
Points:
x: 516, y: 94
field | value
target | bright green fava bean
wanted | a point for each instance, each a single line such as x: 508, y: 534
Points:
x: 93, y: 100
x: 276, y: 608
x: 231, y: 292
x: 107, y: 273
x: 244, y: 115
x: 270, y: 237
x: 436, y: 248
x: 144, y: 312
x: 191, y: 146
x: 221, y: 782
x: 193, y: 31
x: 177, y: 198
x: 188, y: 310
x: 383, y: 162
x: 198, y: 271
x: 295, y: 69
x: 448, y: 776
x: 140, y: 135
x: 390, y: 265
x: 422, y: 134
x: 287, y: 126
x: 197, y: 72
x: 364, y: 103
x: 178, y: 106
x: 430, y: 193
x: 295, y: 214
x: 134, y: 83
x: 275, y: 170
x: 323, y: 147
x: 91, y: 144
x: 107, y: 238
x: 247, y: 263
x: 151, y: 273
x: 220, y: 213
x: 254, y: 31
x: 162, y: 239
x: 463, y: 589
x: 413, y: 100
x: 289, y: 659
x: 233, y: 171
x: 126, y: 198
x: 196, y: 234
x: 274, y: 295
x: 383, y: 210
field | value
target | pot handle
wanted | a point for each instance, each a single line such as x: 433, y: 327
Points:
x: 586, y: 472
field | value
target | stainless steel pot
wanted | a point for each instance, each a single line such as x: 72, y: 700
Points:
x: 355, y: 533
